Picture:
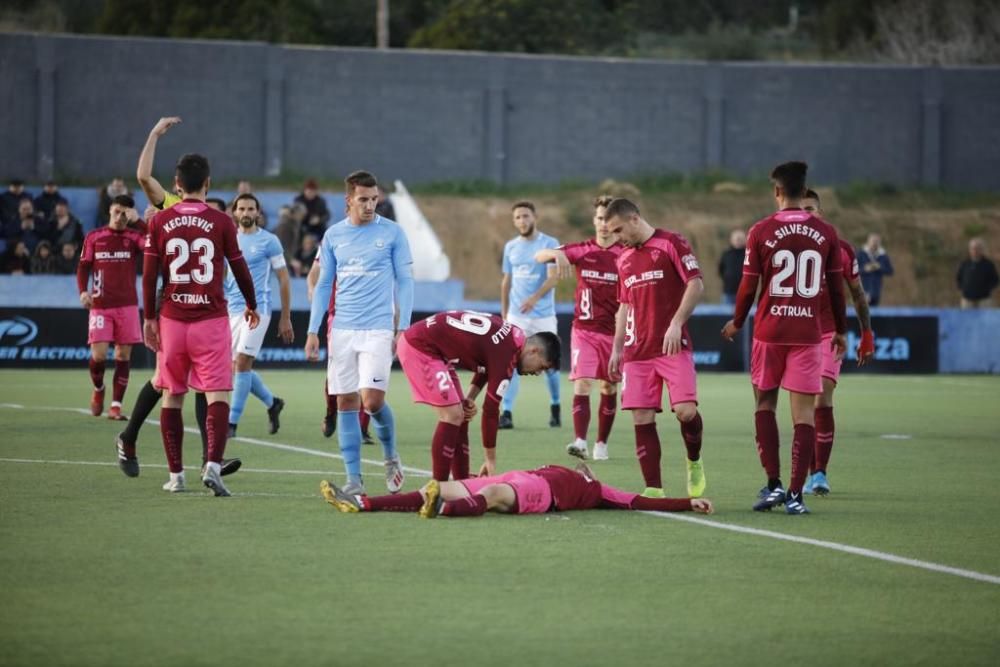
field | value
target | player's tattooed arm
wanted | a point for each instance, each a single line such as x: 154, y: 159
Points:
x: 866, y: 347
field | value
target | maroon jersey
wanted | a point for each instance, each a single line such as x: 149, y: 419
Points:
x: 573, y: 491
x: 791, y: 251
x: 596, y: 285
x: 652, y: 280
x: 474, y: 341
x: 112, y: 256
x: 191, y: 240
x: 849, y: 263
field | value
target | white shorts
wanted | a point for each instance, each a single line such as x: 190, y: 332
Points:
x: 246, y: 340
x: 532, y: 325
x: 358, y: 359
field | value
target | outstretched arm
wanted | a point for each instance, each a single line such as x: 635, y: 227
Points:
x: 144, y: 171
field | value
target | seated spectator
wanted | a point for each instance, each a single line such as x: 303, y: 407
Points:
x: 28, y: 227
x: 289, y: 230
x: 64, y: 226
x: 45, y: 203
x: 977, y: 276
x: 42, y: 260
x: 67, y: 259
x: 10, y: 201
x: 317, y: 214
x: 114, y: 188
x: 384, y: 206
x: 17, y: 261
x: 306, y: 255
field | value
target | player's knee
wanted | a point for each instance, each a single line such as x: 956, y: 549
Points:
x: 244, y: 363
x: 608, y: 388
x: 685, y: 412
x: 123, y: 353
x: 581, y: 387
x: 641, y: 417
x: 373, y: 404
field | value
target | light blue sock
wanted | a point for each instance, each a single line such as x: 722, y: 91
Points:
x: 241, y: 390
x: 349, y: 437
x: 552, y: 379
x: 385, y: 430
x: 260, y: 390
x: 511, y: 394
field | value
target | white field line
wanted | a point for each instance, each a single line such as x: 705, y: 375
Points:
x: 270, y: 471
x: 822, y: 544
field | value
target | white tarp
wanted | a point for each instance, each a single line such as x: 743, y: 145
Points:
x: 430, y: 263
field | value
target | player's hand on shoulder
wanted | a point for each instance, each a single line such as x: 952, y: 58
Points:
x: 252, y: 318
x: 86, y: 300
x: 702, y: 505
x: 312, y: 347
x: 730, y: 330
x: 285, y: 331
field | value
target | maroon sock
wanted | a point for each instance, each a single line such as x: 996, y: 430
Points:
x: 399, y: 502
x: 824, y: 437
x: 581, y: 416
x: 172, y: 429
x: 121, y: 380
x: 97, y: 372
x: 647, y: 448
x: 460, y: 462
x: 443, y: 449
x: 331, y: 401
x: 767, y: 442
x: 691, y: 433
x: 217, y: 427
x: 803, y: 445
x: 471, y: 506
x: 364, y: 419
x: 606, y: 416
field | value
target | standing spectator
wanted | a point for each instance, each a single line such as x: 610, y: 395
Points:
x: 306, y: 255
x: 115, y: 188
x: 64, y: 226
x: 45, y: 203
x: 67, y: 259
x: 731, y: 265
x: 977, y: 276
x: 384, y: 206
x: 18, y: 259
x: 11, y: 200
x: 317, y: 214
x: 28, y: 226
x: 875, y: 265
x: 289, y: 230
x: 244, y: 188
x: 42, y: 260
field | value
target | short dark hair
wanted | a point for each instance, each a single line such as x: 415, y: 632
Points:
x: 812, y: 194
x: 602, y: 200
x: 245, y: 195
x: 192, y: 172
x: 620, y: 208
x: 123, y: 200
x: 523, y: 204
x: 16, y: 182
x: 360, y: 179
x: 791, y: 178
x: 221, y: 203
x: 551, y: 347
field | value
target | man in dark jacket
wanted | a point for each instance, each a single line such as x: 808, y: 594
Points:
x: 875, y: 265
x: 977, y: 276
x: 317, y: 214
x: 731, y: 265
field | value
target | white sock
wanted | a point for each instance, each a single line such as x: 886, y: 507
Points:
x: 212, y: 465
x: 177, y: 476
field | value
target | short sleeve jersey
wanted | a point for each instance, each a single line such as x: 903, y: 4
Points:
x: 263, y: 253
x: 651, y: 282
x: 192, y: 240
x: 793, y: 252
x: 114, y: 256
x: 474, y: 341
x: 527, y: 275
x: 596, y: 298
x: 849, y: 263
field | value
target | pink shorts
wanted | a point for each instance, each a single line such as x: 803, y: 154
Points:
x: 195, y: 354
x: 793, y: 367
x: 831, y: 364
x: 114, y: 325
x: 432, y: 380
x: 642, y: 382
x: 534, y: 496
x: 590, y: 352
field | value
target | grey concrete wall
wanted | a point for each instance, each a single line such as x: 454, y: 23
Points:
x: 81, y: 107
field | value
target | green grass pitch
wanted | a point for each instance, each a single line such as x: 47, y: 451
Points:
x: 99, y: 569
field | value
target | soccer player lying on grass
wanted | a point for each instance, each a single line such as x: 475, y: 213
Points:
x: 547, y: 489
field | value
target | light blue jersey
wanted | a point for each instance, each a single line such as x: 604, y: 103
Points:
x: 263, y: 253
x: 527, y: 275
x: 373, y: 268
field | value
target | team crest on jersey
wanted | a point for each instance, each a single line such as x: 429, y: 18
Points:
x: 690, y: 262
x: 379, y: 243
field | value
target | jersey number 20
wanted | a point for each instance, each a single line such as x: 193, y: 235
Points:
x: 806, y: 270
x: 205, y: 251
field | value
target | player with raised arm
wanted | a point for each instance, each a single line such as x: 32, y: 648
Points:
x: 110, y: 255
x: 369, y: 258
x: 790, y: 253
x: 659, y: 284
x: 528, y: 299
x: 596, y: 303
x: 158, y: 197
x: 432, y: 349
x: 263, y: 254
x: 817, y: 482
x: 188, y: 243
x: 547, y: 489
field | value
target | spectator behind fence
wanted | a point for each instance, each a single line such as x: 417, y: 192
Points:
x: 731, y: 265
x: 289, y: 230
x: 67, y: 259
x: 18, y: 259
x: 306, y: 255
x: 977, y: 276
x: 45, y: 203
x: 42, y: 260
x: 28, y: 226
x: 10, y: 201
x: 64, y: 227
x: 317, y: 214
x: 875, y: 265
x: 114, y: 188
x: 384, y: 206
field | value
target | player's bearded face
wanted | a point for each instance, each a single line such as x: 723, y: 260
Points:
x: 524, y: 221
x: 247, y: 220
